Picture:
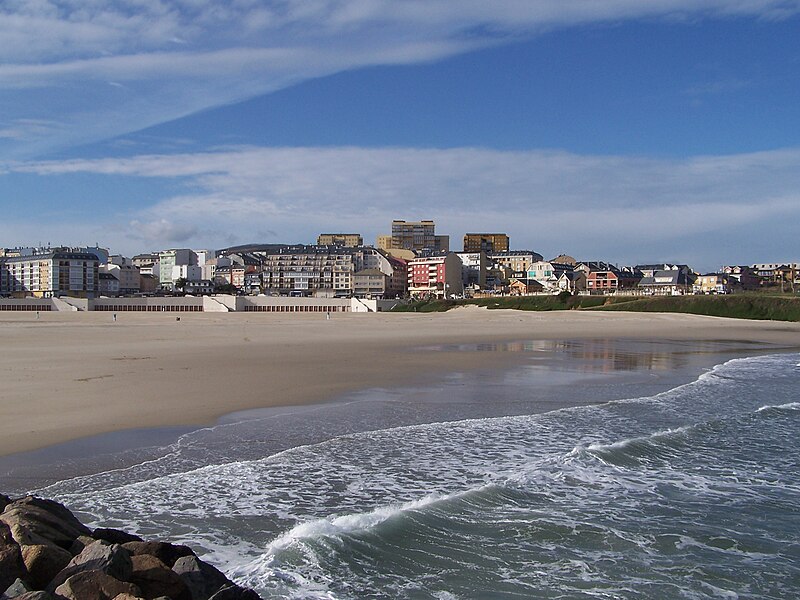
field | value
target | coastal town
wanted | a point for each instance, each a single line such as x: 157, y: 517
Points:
x: 341, y: 273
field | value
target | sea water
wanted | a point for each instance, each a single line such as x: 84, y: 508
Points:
x: 692, y: 492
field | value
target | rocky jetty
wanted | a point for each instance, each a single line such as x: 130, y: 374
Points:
x: 47, y: 554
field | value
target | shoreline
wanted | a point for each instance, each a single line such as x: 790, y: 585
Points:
x: 146, y: 372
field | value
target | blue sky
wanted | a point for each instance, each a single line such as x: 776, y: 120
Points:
x: 619, y: 130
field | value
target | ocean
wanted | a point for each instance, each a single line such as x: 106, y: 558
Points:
x: 595, y: 469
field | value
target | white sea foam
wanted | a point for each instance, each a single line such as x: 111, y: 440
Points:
x: 787, y: 406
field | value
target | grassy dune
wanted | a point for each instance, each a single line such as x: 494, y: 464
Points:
x: 738, y: 306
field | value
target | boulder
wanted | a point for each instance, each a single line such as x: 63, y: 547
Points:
x: 43, y: 562
x: 115, y: 536
x: 80, y: 543
x: 156, y: 579
x: 94, y: 585
x: 202, y: 579
x: 12, y: 566
x: 127, y: 597
x: 36, y: 596
x: 235, y: 592
x: 34, y: 521
x: 166, y: 553
x: 16, y: 589
x: 4, y: 501
x: 111, y: 559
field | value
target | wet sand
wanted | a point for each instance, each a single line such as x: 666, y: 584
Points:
x: 71, y: 376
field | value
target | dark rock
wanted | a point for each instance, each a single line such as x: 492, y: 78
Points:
x: 11, y: 564
x: 111, y: 559
x: 155, y: 579
x: 43, y: 562
x: 166, y: 553
x: 34, y: 521
x: 115, y: 536
x: 16, y: 589
x: 79, y: 544
x: 94, y: 585
x: 202, y: 579
x: 4, y: 501
x: 235, y: 592
x: 36, y: 596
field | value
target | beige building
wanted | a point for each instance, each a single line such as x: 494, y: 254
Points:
x: 51, y: 274
x: 486, y: 242
x: 514, y: 263
x: 348, y: 240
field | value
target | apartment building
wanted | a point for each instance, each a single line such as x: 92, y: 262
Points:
x: 347, y: 240
x: 474, y: 267
x: 168, y: 260
x: 435, y: 276
x: 514, y: 263
x: 50, y: 274
x: 486, y: 242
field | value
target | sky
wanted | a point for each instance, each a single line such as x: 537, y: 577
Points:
x: 617, y: 130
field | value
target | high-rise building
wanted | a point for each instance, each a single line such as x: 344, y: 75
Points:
x: 413, y: 235
x: 486, y: 242
x: 347, y: 240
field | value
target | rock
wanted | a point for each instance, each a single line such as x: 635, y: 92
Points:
x: 43, y: 562
x: 35, y: 596
x: 4, y: 501
x: 166, y: 553
x: 155, y: 579
x: 79, y: 544
x: 94, y: 585
x: 202, y: 579
x: 11, y: 564
x: 115, y: 536
x: 234, y: 592
x: 34, y: 521
x: 127, y: 597
x: 16, y: 589
x: 111, y: 559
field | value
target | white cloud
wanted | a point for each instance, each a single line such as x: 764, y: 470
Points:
x: 610, y: 207
x: 176, y: 57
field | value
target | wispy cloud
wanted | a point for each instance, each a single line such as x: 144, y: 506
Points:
x: 589, y: 205
x: 181, y: 56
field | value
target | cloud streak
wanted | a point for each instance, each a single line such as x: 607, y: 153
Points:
x: 180, y: 56
x: 550, y: 201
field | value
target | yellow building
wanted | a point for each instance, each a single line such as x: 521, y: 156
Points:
x: 347, y: 240
x: 486, y: 242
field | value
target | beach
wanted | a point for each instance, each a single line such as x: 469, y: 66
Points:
x: 68, y: 376
x: 473, y: 453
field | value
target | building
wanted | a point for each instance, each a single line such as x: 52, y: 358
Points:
x: 786, y: 275
x: 168, y: 260
x: 435, y: 276
x: 474, y: 267
x: 348, y: 240
x: 413, y: 235
x: 548, y: 273
x: 514, y: 263
x: 524, y: 287
x: 127, y: 274
x: 573, y: 282
x: 715, y: 283
x: 666, y: 279
x: 486, y: 242
x: 108, y: 284
x: 606, y: 278
x: 745, y: 276
x: 50, y: 274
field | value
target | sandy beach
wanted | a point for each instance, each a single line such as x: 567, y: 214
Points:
x: 68, y: 376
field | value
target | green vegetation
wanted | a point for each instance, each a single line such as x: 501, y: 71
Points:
x: 738, y: 306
